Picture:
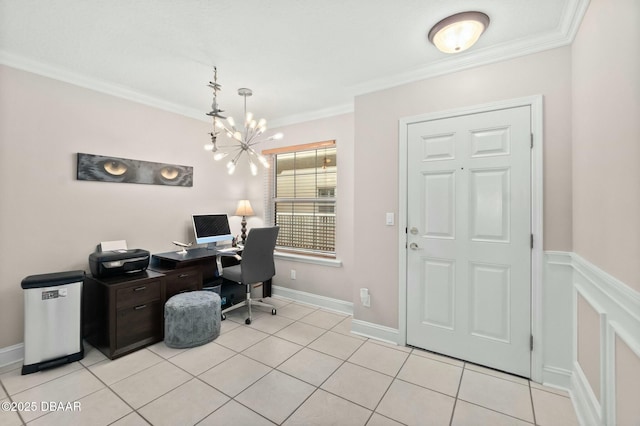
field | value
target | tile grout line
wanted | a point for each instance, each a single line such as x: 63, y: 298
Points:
x: 533, y: 409
x: 118, y: 395
x: 325, y: 331
x: 393, y: 379
x: 239, y: 353
x: 316, y: 388
x: 455, y: 401
x: 324, y: 381
x: 476, y: 404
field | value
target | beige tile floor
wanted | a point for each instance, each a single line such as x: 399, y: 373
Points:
x: 300, y: 367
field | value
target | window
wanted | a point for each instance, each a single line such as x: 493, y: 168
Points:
x: 303, y: 197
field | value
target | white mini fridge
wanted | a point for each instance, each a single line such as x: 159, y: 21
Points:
x: 52, y: 320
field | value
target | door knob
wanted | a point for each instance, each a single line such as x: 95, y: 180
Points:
x: 414, y: 231
x: 413, y: 246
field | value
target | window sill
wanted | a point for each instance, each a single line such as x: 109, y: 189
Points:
x: 324, y: 261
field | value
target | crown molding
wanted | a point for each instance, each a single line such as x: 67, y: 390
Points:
x: 29, y: 65
x: 564, y: 36
x: 567, y: 29
x: 312, y: 115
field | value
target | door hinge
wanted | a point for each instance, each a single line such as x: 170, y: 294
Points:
x: 531, y: 343
x: 531, y: 240
x: 532, y: 140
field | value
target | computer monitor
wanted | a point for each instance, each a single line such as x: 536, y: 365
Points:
x: 211, y: 228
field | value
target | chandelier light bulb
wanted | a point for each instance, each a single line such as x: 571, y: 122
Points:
x: 231, y: 167
x: 231, y: 121
x: 263, y: 161
x: 208, y: 147
x: 253, y: 167
x: 220, y: 155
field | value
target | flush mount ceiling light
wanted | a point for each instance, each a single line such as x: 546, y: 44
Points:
x: 243, y: 137
x: 458, y: 32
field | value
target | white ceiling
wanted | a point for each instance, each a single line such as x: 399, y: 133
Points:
x: 303, y: 59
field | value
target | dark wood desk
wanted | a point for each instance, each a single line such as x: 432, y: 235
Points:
x: 125, y: 313
x: 202, y: 258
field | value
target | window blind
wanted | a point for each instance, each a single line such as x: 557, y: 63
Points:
x: 303, y: 194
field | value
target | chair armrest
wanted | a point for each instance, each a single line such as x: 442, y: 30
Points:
x: 219, y: 260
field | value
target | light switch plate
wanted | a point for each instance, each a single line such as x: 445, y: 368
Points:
x: 390, y: 220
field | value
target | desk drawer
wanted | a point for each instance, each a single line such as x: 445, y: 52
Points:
x: 138, y: 294
x: 137, y: 323
x: 181, y: 280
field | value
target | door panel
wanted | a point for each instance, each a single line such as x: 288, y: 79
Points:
x: 490, y: 307
x: 439, y: 198
x: 468, y: 262
x: 438, y: 293
x: 439, y: 147
x: 489, y: 209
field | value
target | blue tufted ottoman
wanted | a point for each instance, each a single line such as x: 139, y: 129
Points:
x: 191, y: 319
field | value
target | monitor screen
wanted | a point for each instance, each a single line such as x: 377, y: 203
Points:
x: 211, y: 228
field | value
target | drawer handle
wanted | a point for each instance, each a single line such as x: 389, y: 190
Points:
x: 137, y: 308
x: 140, y: 288
x: 183, y: 275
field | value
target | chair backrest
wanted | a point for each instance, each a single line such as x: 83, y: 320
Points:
x: 257, y: 256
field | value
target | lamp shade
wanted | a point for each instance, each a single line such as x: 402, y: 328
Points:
x: 244, y: 208
x: 458, y: 32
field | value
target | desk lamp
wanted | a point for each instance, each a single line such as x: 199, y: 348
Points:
x: 244, y: 209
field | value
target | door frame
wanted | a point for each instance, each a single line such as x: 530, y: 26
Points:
x: 536, y: 107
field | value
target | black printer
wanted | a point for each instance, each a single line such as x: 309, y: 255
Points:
x: 117, y: 262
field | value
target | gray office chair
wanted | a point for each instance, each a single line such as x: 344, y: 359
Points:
x: 256, y: 266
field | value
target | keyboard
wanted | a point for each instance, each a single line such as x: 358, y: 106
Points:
x: 228, y: 250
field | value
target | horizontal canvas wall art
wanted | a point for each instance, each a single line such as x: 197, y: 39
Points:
x: 113, y: 169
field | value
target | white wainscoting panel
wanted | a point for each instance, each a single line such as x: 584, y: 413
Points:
x: 618, y: 308
x: 557, y: 320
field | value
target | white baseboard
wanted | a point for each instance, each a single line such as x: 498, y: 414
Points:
x: 362, y: 328
x: 313, y: 299
x: 585, y: 403
x: 11, y: 354
x: 375, y: 331
x: 556, y: 377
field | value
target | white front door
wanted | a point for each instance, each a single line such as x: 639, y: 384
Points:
x: 469, y: 231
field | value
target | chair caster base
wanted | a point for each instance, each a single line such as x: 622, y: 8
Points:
x: 273, y: 312
x: 224, y: 317
x: 247, y: 321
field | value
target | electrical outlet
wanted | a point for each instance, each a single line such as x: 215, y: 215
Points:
x: 365, y: 297
x: 293, y: 274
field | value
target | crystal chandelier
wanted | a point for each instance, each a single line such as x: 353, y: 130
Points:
x: 242, y: 138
